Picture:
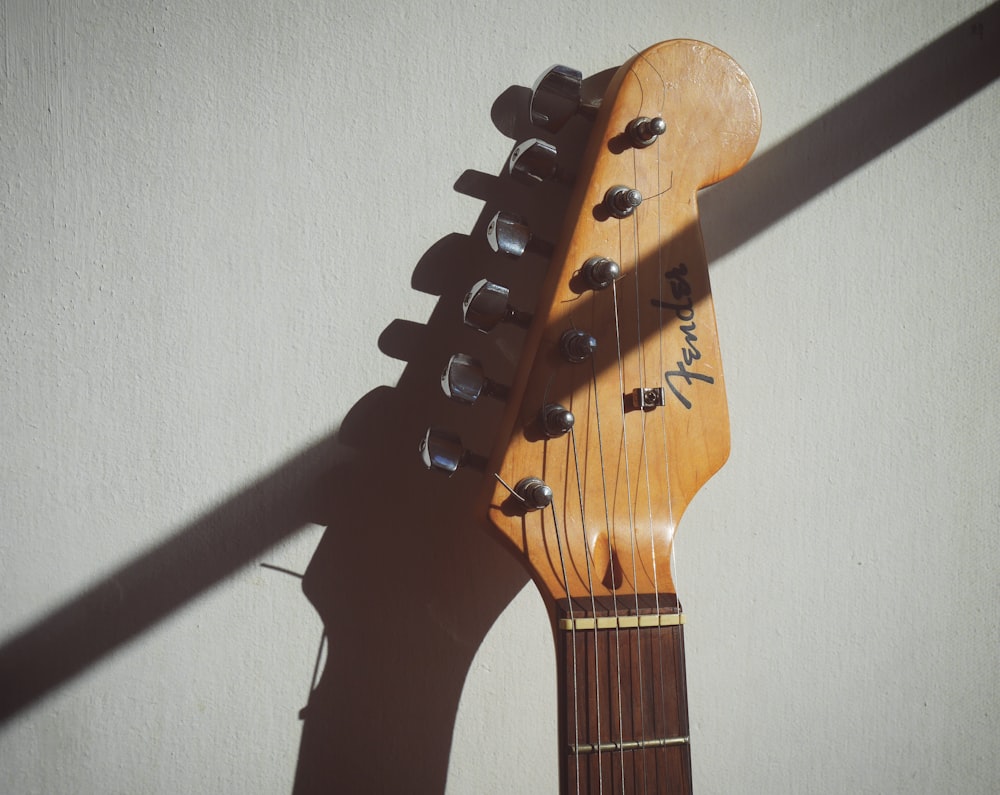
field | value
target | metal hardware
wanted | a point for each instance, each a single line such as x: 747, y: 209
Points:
x: 628, y: 745
x: 621, y: 201
x: 464, y: 380
x: 534, y: 493
x: 577, y: 345
x: 557, y: 96
x: 557, y: 420
x: 441, y: 450
x: 648, y: 399
x: 510, y: 234
x: 533, y: 161
x: 600, y: 272
x: 644, y: 131
x: 486, y: 305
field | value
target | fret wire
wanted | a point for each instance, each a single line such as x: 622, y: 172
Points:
x: 633, y: 745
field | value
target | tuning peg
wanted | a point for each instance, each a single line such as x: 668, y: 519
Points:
x: 486, y: 305
x: 443, y: 451
x: 464, y: 380
x: 600, y: 272
x: 556, y: 96
x: 533, y: 161
x: 535, y: 493
x: 509, y: 234
x: 557, y: 420
x: 621, y: 201
x: 644, y: 131
x: 577, y: 345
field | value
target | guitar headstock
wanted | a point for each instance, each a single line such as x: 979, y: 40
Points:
x: 617, y: 413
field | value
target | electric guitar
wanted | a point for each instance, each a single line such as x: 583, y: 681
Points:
x: 616, y: 415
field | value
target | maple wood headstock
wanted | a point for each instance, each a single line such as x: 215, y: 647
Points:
x: 650, y: 423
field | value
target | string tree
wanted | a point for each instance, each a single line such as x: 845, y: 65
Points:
x: 645, y: 398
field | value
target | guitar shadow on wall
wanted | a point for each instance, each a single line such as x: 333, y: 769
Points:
x: 406, y: 580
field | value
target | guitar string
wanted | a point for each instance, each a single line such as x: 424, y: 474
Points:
x: 611, y: 550
x: 666, y: 455
x: 572, y: 617
x: 632, y: 528
x: 572, y: 631
x: 672, y: 637
x: 643, y: 380
x: 637, y: 758
x: 593, y: 609
x: 663, y: 424
x: 628, y: 502
x: 658, y: 668
x: 569, y: 606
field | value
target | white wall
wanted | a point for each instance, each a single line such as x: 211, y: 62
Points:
x: 225, y: 226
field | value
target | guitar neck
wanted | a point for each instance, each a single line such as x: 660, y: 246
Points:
x: 624, y: 720
x: 616, y: 415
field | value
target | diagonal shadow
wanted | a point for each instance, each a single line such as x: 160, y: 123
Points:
x: 392, y: 685
x: 402, y: 582
x: 153, y: 585
x: 872, y: 120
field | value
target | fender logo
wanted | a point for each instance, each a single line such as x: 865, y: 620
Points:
x: 683, y: 307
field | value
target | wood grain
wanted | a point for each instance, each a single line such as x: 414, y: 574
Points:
x: 623, y: 478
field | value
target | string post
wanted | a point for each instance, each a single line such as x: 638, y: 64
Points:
x: 535, y: 493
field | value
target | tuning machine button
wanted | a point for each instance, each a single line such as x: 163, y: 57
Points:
x: 510, y: 234
x: 600, y: 272
x: 557, y: 96
x: 533, y: 161
x: 464, y: 380
x: 643, y: 131
x: 486, y: 304
x: 443, y: 451
x: 622, y: 200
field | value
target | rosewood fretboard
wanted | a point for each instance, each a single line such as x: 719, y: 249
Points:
x: 624, y: 726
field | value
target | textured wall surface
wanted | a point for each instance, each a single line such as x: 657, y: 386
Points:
x: 233, y: 242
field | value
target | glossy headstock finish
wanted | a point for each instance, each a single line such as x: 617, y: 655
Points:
x: 623, y: 477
